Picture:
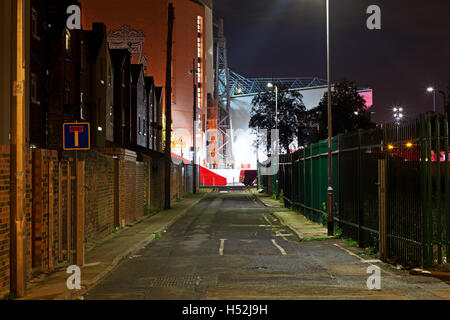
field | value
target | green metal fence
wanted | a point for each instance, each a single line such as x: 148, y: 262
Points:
x: 391, y: 188
x: 303, y: 178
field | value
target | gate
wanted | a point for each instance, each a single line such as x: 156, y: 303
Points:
x: 57, y: 211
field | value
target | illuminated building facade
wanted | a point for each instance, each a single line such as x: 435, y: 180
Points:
x: 145, y: 34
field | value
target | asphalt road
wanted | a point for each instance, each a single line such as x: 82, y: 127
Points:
x: 229, y: 246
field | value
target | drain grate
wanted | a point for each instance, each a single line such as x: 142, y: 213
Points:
x: 164, y: 282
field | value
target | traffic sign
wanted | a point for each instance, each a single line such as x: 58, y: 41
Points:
x: 77, y: 136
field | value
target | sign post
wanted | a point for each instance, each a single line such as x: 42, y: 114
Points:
x: 77, y: 136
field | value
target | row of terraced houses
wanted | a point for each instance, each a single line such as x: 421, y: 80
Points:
x: 53, y: 202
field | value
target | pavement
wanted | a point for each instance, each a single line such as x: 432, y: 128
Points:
x: 235, y: 245
x: 298, y: 223
x: 105, y: 254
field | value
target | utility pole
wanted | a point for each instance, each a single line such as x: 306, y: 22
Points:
x: 168, y: 166
x: 194, y: 127
x: 17, y: 153
x: 330, y: 132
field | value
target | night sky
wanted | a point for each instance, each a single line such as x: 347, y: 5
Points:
x: 287, y: 38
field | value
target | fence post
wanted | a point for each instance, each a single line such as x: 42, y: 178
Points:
x: 447, y: 186
x: 430, y: 193
x: 60, y: 201
x: 359, y: 187
x: 79, y: 213
x: 438, y: 187
x: 50, y: 214
x: 382, y: 208
x: 69, y: 212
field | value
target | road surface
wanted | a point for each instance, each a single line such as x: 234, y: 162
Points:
x: 229, y: 246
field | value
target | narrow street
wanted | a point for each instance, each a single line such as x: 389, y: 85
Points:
x: 229, y: 246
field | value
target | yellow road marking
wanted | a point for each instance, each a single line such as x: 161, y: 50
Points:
x: 363, y: 260
x: 222, y: 246
x: 283, y: 252
x: 274, y: 229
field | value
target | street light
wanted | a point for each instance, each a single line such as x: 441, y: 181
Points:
x: 271, y: 85
x: 194, y: 73
x: 330, y: 131
x: 433, y: 90
x: 398, y: 116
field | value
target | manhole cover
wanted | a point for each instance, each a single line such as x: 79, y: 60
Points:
x: 163, y: 282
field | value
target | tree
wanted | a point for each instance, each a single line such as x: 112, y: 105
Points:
x: 348, y: 110
x: 291, y: 116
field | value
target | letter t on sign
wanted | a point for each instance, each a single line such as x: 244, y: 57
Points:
x: 76, y: 131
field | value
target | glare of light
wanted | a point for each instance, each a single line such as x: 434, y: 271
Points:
x: 395, y: 109
x: 390, y: 147
x: 400, y: 115
x: 401, y: 109
x: 100, y: 129
x: 270, y: 85
x: 239, y: 90
x: 430, y: 89
x: 409, y: 145
x: 356, y: 113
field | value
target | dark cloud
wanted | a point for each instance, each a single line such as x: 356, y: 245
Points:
x: 287, y: 38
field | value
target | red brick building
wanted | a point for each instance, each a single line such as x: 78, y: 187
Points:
x: 146, y: 24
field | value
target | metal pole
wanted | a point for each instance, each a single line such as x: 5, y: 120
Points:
x: 434, y: 100
x: 194, y: 136
x: 276, y: 107
x: 17, y: 216
x: 330, y: 132
x: 278, y: 135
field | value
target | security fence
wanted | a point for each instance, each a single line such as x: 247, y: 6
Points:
x: 391, y: 188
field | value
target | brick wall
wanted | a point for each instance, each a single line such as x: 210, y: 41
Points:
x: 140, y: 189
x: 4, y: 218
x: 127, y: 187
x: 140, y: 185
x: 99, y: 194
x: 44, y: 223
x: 28, y: 212
x: 157, y: 184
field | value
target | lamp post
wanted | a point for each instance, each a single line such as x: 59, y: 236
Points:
x: 194, y: 72
x: 271, y: 85
x: 398, y: 116
x: 330, y: 131
x: 433, y: 90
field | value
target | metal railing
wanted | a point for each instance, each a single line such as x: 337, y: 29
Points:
x: 391, y: 188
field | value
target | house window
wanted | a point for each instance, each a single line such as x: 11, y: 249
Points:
x: 140, y: 132
x: 34, y: 24
x: 34, y: 89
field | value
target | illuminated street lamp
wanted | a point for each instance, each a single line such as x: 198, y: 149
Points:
x: 330, y: 192
x: 271, y: 85
x: 398, y: 116
x: 433, y: 90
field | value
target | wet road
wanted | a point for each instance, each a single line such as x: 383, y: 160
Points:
x: 229, y: 246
